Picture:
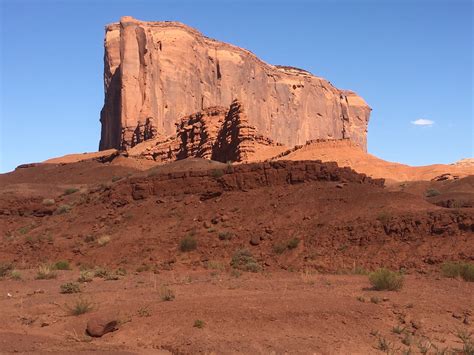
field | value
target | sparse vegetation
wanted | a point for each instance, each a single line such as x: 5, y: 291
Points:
x: 279, y: 248
x: 85, y: 276
x: 188, y: 243
x: 384, y: 279
x: 384, y: 344
x: 215, y: 265
x: 5, y: 268
x: 15, y: 275
x: 432, y: 193
x: 198, y: 323
x: 104, y: 240
x: 462, y: 270
x: 144, y: 311
x: 468, y: 343
x: 116, y: 178
x: 48, y: 202
x: 46, y: 272
x: 226, y: 235
x: 293, y: 243
x: 70, y: 191
x: 166, y: 294
x: 217, y: 173
x: 384, y: 217
x: 62, y: 265
x: 244, y: 260
x: 398, y: 330
x: 70, y: 287
x: 81, y: 306
x: 63, y: 209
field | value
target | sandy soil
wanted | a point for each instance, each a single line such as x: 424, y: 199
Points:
x: 280, y: 312
x: 307, y: 298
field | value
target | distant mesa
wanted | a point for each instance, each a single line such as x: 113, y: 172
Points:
x: 172, y: 93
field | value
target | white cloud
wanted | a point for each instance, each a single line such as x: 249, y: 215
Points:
x: 422, y: 122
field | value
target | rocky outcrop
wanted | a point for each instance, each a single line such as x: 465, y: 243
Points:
x: 158, y: 72
x: 216, y: 133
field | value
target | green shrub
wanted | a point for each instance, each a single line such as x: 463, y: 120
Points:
x: 244, y: 260
x: 70, y: 191
x: 188, y: 243
x: 432, y: 193
x: 85, y: 276
x: 199, y: 324
x: 384, y: 279
x: 46, y: 272
x: 63, y: 209
x: 293, y: 243
x: 458, y: 269
x: 217, y: 173
x: 62, y: 265
x: 70, y: 287
x: 166, y: 294
x: 81, y: 306
x: 15, y: 275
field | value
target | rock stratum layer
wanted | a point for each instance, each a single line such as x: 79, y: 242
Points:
x: 157, y: 74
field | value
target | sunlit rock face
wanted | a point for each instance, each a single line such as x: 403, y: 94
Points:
x: 156, y: 73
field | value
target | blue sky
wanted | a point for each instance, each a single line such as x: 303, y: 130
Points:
x: 409, y: 59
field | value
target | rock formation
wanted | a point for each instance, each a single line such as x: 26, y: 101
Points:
x: 156, y: 73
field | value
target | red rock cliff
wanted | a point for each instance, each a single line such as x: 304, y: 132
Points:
x: 156, y: 73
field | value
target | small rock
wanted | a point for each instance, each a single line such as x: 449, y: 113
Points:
x: 340, y: 186
x: 206, y: 224
x: 215, y: 220
x: 98, y: 326
x: 44, y: 324
x: 255, y: 240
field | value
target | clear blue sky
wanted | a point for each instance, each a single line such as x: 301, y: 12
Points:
x: 410, y: 60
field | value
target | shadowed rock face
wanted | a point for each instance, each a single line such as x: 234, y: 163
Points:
x: 156, y: 73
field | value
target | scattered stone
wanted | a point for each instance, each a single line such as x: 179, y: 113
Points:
x: 255, y: 240
x: 98, y: 326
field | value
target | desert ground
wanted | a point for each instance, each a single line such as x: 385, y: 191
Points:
x: 198, y: 256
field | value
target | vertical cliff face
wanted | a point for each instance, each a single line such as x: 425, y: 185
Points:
x: 158, y: 72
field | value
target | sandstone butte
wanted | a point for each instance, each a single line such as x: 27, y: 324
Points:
x: 172, y: 93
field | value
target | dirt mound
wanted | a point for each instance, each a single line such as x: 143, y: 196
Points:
x: 347, y: 153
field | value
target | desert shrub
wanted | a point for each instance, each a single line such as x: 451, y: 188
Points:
x: 81, y: 306
x: 62, y: 265
x: 5, y: 268
x: 48, y: 202
x: 166, y: 294
x: 293, y: 243
x: 384, y: 217
x: 375, y: 300
x: 46, y: 272
x: 15, y: 275
x: 432, y: 193
x: 85, y: 276
x: 458, y: 269
x: 116, y: 178
x: 63, y: 209
x: 215, y: 265
x: 198, y: 323
x: 101, y: 272
x: 226, y: 235
x: 217, y: 173
x: 384, y: 279
x: 279, y: 248
x: 70, y: 190
x: 188, y: 243
x: 244, y: 260
x: 70, y: 287
x: 144, y: 311
x: 104, y: 240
